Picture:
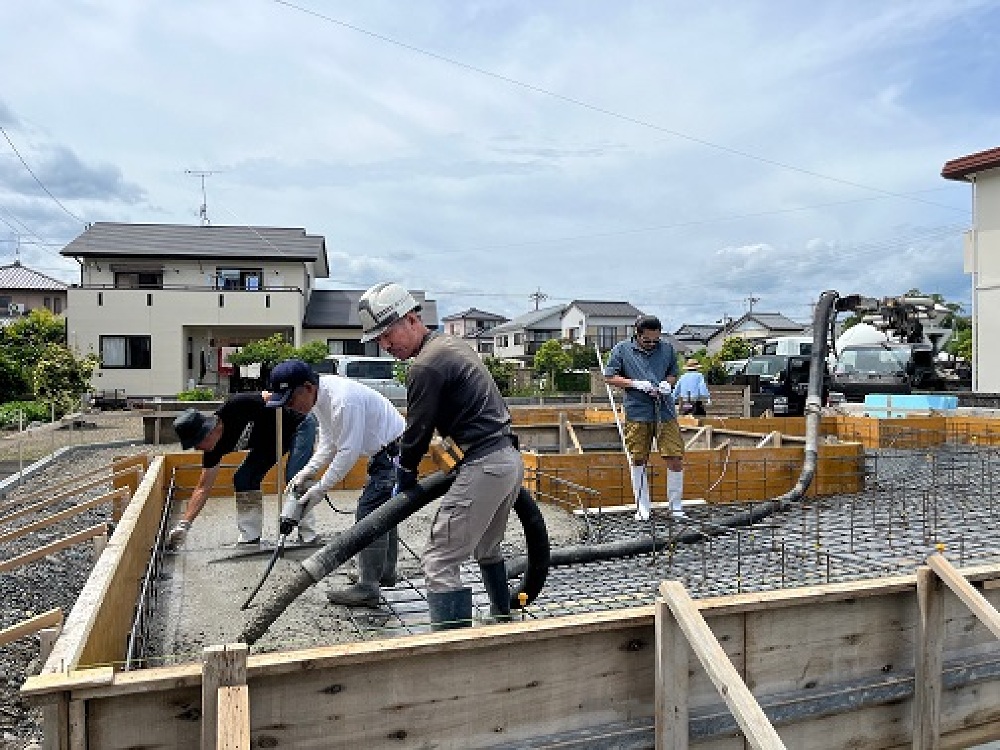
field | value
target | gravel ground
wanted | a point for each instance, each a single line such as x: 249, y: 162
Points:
x: 55, y: 581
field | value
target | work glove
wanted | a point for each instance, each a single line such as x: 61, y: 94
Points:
x: 644, y: 385
x: 405, y: 479
x: 298, y: 502
x: 178, y: 534
x: 665, y: 389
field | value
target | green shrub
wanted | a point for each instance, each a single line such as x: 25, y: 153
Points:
x: 573, y: 382
x: 197, y: 394
x: 34, y: 411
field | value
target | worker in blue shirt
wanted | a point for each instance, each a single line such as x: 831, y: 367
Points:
x: 646, y: 369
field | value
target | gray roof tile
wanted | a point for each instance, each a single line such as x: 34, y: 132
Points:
x: 18, y: 277
x: 112, y: 240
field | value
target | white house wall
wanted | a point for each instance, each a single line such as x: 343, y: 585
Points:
x: 186, y: 306
x: 986, y: 283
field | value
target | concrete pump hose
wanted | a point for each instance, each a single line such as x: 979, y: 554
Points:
x: 390, y: 514
x: 536, y: 540
x: 343, y: 547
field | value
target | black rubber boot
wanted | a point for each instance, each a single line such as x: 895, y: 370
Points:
x: 366, y: 592
x: 388, y: 578
x: 450, y: 609
x: 495, y: 583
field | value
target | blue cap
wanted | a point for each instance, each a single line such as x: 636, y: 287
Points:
x: 286, y: 377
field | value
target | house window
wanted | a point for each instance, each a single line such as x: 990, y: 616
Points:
x: 502, y: 341
x: 57, y: 305
x: 485, y: 347
x: 5, y: 300
x: 607, y: 337
x: 138, y: 279
x: 250, y: 279
x: 352, y: 347
x: 518, y: 339
x: 47, y: 303
x: 126, y: 352
x: 573, y: 334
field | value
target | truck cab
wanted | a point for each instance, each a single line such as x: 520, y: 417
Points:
x: 884, y: 368
x: 785, y: 378
x: 378, y: 373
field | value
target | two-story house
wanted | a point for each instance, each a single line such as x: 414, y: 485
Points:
x: 981, y: 254
x: 23, y: 289
x: 163, y: 305
x: 519, y: 339
x: 475, y: 327
x: 591, y: 322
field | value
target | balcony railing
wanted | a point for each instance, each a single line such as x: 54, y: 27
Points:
x: 187, y: 288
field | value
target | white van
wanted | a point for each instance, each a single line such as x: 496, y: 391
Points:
x: 790, y: 345
x: 375, y: 372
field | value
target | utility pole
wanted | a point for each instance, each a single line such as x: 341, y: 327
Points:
x: 751, y: 301
x: 539, y: 296
x: 203, y: 173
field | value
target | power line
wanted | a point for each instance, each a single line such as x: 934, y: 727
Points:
x: 603, y: 110
x: 655, y: 228
x: 40, y: 184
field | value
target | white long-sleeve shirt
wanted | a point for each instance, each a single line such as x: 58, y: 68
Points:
x: 354, y: 421
x: 692, y: 386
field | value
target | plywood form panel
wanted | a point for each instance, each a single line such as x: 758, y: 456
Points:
x: 828, y: 643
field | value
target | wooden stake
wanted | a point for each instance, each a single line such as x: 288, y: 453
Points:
x: 223, y: 666
x: 928, y: 660
x: 744, y: 707
x: 671, y: 681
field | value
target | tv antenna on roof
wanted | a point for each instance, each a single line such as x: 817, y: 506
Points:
x: 203, y: 173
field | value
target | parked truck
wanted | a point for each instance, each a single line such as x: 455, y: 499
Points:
x: 907, y: 359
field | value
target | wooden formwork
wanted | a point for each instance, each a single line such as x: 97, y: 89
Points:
x: 833, y: 666
x: 718, y: 476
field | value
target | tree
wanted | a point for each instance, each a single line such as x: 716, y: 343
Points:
x: 735, y: 347
x: 23, y: 343
x: 583, y: 357
x: 551, y: 359
x: 61, y: 378
x: 274, y: 349
x: 502, y: 372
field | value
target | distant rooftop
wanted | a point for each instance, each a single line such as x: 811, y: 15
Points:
x: 21, y: 278
x: 338, y: 308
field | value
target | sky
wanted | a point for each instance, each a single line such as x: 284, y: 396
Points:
x: 688, y: 158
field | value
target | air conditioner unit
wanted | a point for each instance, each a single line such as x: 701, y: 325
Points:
x: 15, y: 308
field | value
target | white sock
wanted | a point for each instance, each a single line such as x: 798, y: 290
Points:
x: 640, y: 488
x: 675, y: 490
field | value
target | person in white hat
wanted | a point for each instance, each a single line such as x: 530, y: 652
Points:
x: 691, y: 391
x: 449, y: 389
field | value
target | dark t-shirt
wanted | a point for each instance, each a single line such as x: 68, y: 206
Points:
x: 448, y: 388
x: 248, y: 424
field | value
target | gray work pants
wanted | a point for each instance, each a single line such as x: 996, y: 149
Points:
x: 472, y: 517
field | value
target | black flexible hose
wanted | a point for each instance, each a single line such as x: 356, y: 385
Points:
x: 536, y: 540
x: 391, y: 513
